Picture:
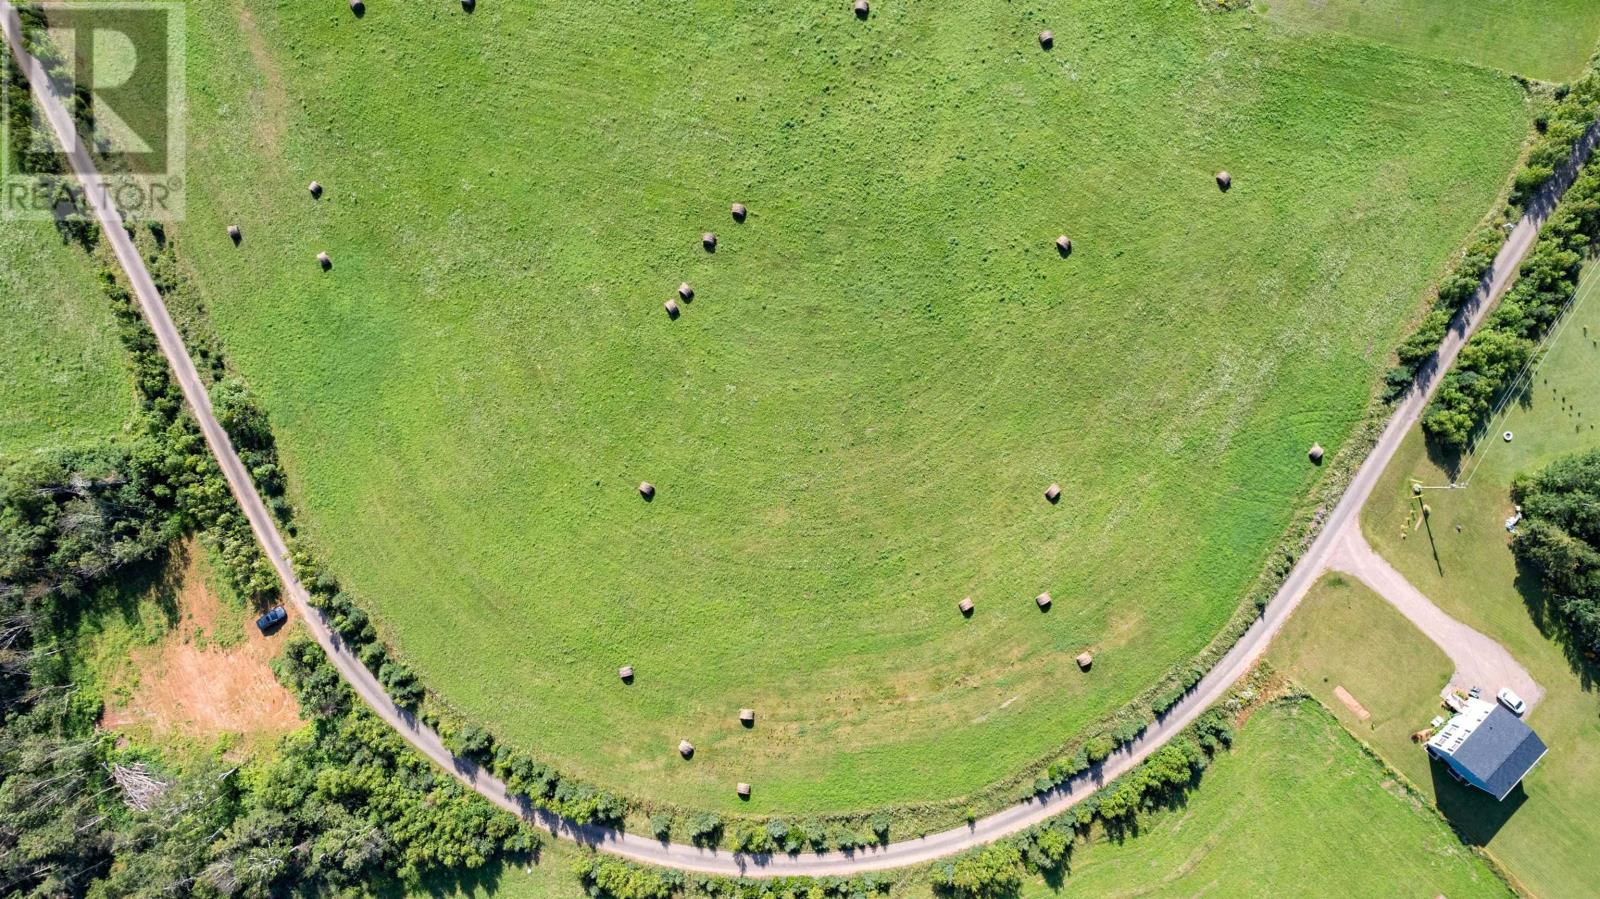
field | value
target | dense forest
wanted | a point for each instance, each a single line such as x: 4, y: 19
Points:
x: 1560, y: 539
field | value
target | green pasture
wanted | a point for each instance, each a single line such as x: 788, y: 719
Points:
x: 63, y: 378
x: 852, y: 425
x: 1298, y: 807
x: 1549, y: 40
x: 1546, y: 832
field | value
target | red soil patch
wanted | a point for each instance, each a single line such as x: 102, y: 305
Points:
x: 190, y: 687
x: 1351, y: 704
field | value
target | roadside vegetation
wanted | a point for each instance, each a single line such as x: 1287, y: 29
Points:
x: 1510, y: 337
x: 500, y: 308
x: 1544, y: 835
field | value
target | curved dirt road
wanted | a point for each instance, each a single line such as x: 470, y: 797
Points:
x: 644, y: 849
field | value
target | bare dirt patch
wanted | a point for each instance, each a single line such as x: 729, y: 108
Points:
x: 1356, y: 708
x: 189, y: 684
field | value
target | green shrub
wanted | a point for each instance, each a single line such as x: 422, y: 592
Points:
x: 705, y: 829
x: 661, y: 826
x: 988, y: 873
x: 606, y: 877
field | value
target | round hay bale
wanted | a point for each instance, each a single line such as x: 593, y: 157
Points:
x: 739, y: 212
x: 1053, y: 493
x: 1085, y: 661
x: 743, y: 791
x: 1064, y: 246
x: 747, y: 717
x: 359, y: 8
x: 1315, y: 453
x: 1047, y: 39
x: 685, y: 292
x: 686, y: 749
x: 1043, y: 600
x: 709, y: 241
x: 965, y: 606
x: 1508, y: 436
x: 325, y: 261
x: 626, y: 673
x: 672, y: 308
x: 234, y: 234
x: 862, y: 8
x: 647, y: 489
x: 1224, y: 181
x: 315, y: 189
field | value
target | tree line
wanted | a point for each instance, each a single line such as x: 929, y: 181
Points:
x: 1560, y: 539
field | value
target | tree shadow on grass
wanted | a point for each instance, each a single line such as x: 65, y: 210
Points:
x: 1474, y: 815
x: 449, y: 883
x: 1547, y: 617
x: 124, y: 595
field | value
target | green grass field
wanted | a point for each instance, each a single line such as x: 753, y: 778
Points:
x: 1545, y: 39
x: 1547, y: 841
x: 1297, y: 803
x: 852, y: 424
x: 63, y: 377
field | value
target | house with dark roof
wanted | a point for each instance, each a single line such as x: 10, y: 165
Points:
x: 1488, y: 747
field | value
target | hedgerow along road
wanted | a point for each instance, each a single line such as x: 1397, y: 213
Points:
x: 898, y: 854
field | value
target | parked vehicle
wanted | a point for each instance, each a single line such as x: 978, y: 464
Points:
x: 1475, y: 692
x: 1511, y: 701
x: 273, y: 617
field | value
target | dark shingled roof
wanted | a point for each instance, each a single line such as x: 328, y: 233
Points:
x: 1500, y: 751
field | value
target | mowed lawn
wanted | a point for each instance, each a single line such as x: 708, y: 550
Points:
x: 1546, y: 833
x: 1297, y: 808
x: 853, y: 424
x: 63, y: 378
x: 1550, y: 40
x: 1345, y: 635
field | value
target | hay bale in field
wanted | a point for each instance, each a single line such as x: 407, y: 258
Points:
x: 1043, y: 600
x: 1047, y: 39
x: 685, y: 292
x: 647, y: 489
x: 1085, y: 661
x: 1053, y: 493
x: 1315, y: 453
x: 686, y: 749
x: 862, y: 8
x: 739, y: 212
x: 672, y: 308
x: 744, y: 791
x: 965, y: 606
x: 324, y: 260
x: 359, y: 8
x: 315, y: 189
x: 1224, y: 181
x: 709, y: 241
x: 1064, y: 246
x: 626, y: 673
x: 234, y: 234
x: 747, y: 717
